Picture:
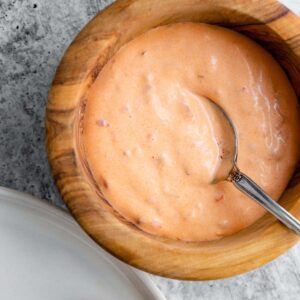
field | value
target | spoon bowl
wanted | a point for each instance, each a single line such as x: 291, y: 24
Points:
x: 228, y: 143
x: 228, y: 170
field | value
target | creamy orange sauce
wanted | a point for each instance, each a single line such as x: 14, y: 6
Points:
x: 154, y: 147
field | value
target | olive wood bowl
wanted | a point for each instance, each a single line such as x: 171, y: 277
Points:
x: 267, y: 22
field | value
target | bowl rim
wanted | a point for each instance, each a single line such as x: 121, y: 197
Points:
x: 244, y: 251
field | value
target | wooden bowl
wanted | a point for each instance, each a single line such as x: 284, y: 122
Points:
x: 270, y: 24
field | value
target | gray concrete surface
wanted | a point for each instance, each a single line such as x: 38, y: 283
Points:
x: 33, y: 38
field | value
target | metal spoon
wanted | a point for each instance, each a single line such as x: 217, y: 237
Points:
x: 247, y: 185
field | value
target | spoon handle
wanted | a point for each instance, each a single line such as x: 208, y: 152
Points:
x: 250, y: 188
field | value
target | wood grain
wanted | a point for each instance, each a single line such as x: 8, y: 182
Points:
x: 267, y: 22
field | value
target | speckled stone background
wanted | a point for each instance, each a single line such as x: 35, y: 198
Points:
x: 33, y: 38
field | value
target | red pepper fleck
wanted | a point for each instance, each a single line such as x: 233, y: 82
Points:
x: 220, y: 198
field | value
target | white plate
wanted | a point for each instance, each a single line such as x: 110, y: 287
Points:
x: 292, y: 5
x: 45, y: 255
